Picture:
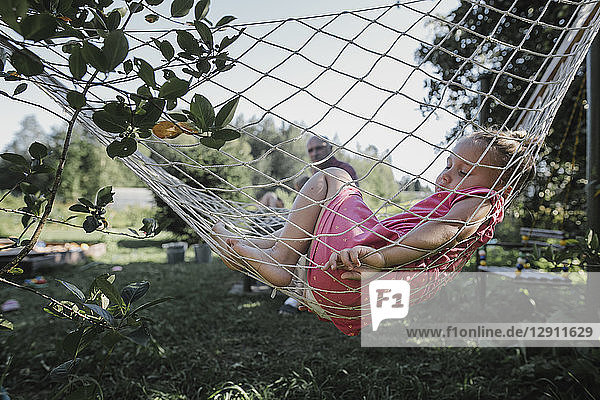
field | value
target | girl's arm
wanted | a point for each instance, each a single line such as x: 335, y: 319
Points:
x: 265, y: 242
x: 461, y: 222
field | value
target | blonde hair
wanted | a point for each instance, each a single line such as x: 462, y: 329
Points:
x: 509, y: 150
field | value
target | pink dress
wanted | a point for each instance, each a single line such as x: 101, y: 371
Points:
x: 348, y: 222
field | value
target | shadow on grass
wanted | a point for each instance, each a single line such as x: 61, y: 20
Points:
x: 139, y: 244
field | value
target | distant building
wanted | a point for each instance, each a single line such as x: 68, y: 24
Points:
x: 132, y: 196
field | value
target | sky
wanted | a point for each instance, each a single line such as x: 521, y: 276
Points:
x: 358, y: 119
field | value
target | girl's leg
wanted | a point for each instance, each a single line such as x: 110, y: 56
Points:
x: 297, y: 233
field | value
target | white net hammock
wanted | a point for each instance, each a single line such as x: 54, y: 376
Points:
x: 352, y: 75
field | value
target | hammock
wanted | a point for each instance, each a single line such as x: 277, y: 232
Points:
x: 352, y: 69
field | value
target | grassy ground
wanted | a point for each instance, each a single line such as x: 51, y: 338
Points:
x: 231, y: 347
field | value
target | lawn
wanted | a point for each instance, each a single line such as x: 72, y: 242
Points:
x: 216, y: 345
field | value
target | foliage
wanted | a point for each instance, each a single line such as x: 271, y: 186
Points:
x: 580, y: 252
x: 272, y: 146
x: 378, y: 176
x: 234, y: 347
x: 270, y: 152
x: 86, y: 169
x: 102, y: 313
x: 99, y: 46
x: 556, y: 196
x: 92, y: 38
x: 219, y: 180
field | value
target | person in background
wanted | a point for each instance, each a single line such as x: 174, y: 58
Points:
x: 319, y: 151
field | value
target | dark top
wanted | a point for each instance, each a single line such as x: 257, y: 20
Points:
x: 334, y: 162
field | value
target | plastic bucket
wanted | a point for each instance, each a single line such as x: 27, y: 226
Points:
x: 175, y: 252
x: 202, y: 252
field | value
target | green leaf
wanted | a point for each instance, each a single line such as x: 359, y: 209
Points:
x: 76, y: 99
x: 73, y: 289
x: 21, y: 87
x: 134, y: 291
x: 64, y: 5
x: 111, y: 338
x: 26, y: 63
x: 226, y: 134
x: 79, y: 208
x: 154, y: 2
x: 151, y: 304
x: 15, y: 159
x: 204, y: 112
x: 174, y: 88
x: 212, y: 143
x: 226, y: 41
x: 136, y: 7
x: 127, y: 67
x: 15, y: 271
x: 38, y: 27
x: 43, y: 169
x: 139, y: 336
x: 203, y: 66
x: 104, y: 196
x: 100, y: 312
x: 225, y: 20
x: 226, y: 113
x: 77, y: 64
x: 108, y: 290
x: 115, y: 49
x: 109, y: 122
x: 122, y: 148
x: 37, y: 150
x: 5, y: 325
x: 167, y: 50
x: 63, y: 371
x: 114, y: 20
x: 91, y: 224
x: 178, y: 117
x: 188, y: 42
x: 145, y: 72
x: 180, y: 8
x: 11, y: 10
x: 205, y: 33
x: 94, y: 57
x: 152, y: 112
x: 201, y: 9
x: 86, y: 202
x: 28, y: 188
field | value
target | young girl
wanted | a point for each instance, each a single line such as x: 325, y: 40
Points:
x: 437, y: 234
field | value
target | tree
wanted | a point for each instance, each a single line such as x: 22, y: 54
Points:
x: 196, y: 177
x: 274, y: 148
x: 555, y: 197
x: 376, y: 178
x: 88, y: 168
x: 93, y: 51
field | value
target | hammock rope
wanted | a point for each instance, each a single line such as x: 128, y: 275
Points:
x: 306, y: 65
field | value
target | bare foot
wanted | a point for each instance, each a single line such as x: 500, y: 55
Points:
x: 223, y: 237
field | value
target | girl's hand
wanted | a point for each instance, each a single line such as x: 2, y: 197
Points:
x: 351, y: 259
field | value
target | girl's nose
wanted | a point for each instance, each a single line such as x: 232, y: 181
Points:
x: 444, y: 177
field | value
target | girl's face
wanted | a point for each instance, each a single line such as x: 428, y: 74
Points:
x: 460, y: 172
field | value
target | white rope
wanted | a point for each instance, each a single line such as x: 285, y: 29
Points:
x: 293, y: 98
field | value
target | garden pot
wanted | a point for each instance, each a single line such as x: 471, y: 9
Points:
x: 175, y: 252
x: 202, y: 252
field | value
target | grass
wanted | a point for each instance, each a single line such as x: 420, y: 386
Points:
x: 229, y: 347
